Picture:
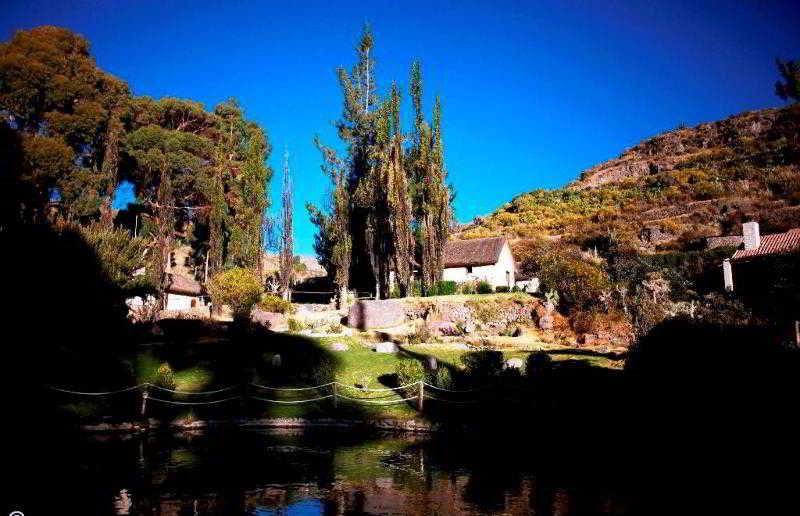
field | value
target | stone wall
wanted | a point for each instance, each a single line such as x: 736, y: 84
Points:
x: 369, y: 314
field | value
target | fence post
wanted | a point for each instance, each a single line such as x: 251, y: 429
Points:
x: 144, y: 400
x: 335, y: 402
x: 421, y: 399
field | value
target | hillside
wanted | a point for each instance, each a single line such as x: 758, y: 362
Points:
x: 672, y: 190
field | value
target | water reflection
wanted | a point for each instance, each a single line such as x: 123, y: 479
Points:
x: 292, y: 472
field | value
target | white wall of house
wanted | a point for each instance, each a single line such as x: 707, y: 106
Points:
x: 500, y: 274
x: 183, y: 302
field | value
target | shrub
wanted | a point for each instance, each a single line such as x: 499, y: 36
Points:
x: 409, y: 370
x: 443, y: 379
x: 560, y: 267
x: 165, y: 377
x: 482, y: 364
x: 239, y: 288
x: 444, y: 288
x: 483, y: 287
x: 295, y: 325
x: 538, y: 364
x: 420, y: 335
x: 502, y: 288
x: 272, y: 303
x: 467, y: 287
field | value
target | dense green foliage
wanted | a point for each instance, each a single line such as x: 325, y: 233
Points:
x: 70, y: 132
x: 272, y: 303
x: 238, y: 288
x: 409, y: 370
x: 389, y: 203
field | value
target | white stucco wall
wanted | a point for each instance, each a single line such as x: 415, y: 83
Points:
x: 182, y: 302
x: 494, y: 274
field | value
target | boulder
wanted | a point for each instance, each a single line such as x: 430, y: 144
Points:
x: 431, y: 363
x: 386, y: 347
x: 546, y: 322
x: 370, y: 314
x: 443, y: 328
x: 339, y: 346
x: 270, y: 320
x: 513, y: 363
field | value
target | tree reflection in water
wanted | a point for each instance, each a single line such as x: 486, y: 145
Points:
x: 318, y: 472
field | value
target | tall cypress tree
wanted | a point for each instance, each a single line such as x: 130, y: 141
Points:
x: 430, y: 194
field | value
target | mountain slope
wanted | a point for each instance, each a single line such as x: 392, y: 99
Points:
x: 671, y: 190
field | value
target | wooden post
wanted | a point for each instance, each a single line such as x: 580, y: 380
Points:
x: 797, y: 332
x: 420, y: 401
x: 144, y: 401
x: 335, y: 402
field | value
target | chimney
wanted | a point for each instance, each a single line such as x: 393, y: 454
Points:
x: 752, y: 237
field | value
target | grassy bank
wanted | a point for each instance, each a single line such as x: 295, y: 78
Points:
x: 194, y: 363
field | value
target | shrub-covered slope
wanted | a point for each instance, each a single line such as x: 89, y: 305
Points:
x: 672, y: 189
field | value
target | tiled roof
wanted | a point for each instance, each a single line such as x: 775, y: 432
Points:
x: 474, y: 252
x: 778, y: 243
x: 183, y: 285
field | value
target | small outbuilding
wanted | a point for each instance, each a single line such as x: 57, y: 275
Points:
x: 183, y: 293
x: 754, y: 252
x: 480, y: 259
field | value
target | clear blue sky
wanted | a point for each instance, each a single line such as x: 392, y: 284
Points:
x: 533, y: 92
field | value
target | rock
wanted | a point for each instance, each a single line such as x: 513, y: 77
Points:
x: 271, y: 320
x: 431, y: 363
x: 339, y: 346
x: 386, y: 347
x: 382, y: 313
x: 546, y: 322
x: 469, y: 327
x: 514, y: 363
x: 443, y: 328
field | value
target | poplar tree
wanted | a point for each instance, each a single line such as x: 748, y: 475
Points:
x: 333, y: 242
x: 287, y: 231
x: 430, y: 193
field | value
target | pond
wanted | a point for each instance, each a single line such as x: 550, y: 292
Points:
x: 320, y: 472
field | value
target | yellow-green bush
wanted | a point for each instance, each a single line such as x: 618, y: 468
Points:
x: 272, y: 303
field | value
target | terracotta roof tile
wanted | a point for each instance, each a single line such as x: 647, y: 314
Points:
x: 778, y: 243
x: 474, y: 252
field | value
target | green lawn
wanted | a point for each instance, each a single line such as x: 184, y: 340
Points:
x: 200, y: 365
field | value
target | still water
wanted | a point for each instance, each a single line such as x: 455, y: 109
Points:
x: 320, y: 472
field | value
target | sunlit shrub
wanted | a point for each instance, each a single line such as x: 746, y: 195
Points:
x: 272, y: 303
x: 409, y: 370
x: 165, y: 377
x: 238, y: 288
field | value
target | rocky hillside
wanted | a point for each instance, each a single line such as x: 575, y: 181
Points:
x: 670, y: 150
x: 674, y: 189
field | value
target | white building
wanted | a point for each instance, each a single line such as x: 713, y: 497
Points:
x: 479, y: 259
x: 183, y: 293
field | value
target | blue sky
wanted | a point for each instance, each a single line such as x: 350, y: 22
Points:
x: 533, y: 92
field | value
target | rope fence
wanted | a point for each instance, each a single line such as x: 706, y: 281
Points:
x: 384, y: 399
